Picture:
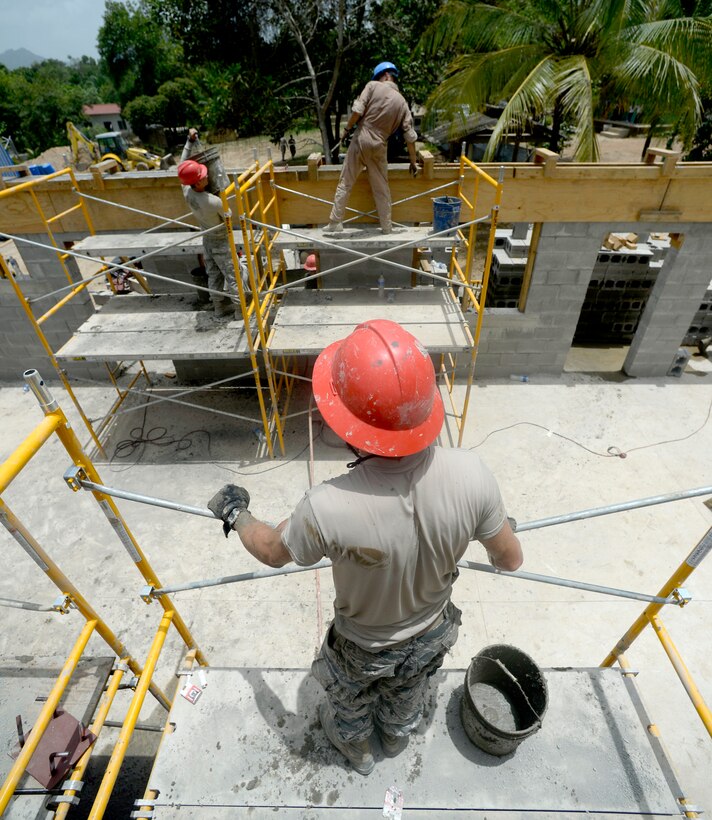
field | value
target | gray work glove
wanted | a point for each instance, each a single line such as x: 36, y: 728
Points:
x: 228, y: 503
x: 512, y: 523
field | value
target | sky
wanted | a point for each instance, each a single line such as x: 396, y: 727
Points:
x: 51, y: 28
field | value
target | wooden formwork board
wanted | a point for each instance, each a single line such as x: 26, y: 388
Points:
x: 307, y: 321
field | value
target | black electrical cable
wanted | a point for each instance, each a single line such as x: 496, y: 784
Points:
x: 611, y: 452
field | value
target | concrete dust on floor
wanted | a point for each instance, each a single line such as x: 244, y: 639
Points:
x: 549, y: 444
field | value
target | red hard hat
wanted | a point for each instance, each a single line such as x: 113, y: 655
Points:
x: 376, y: 390
x: 190, y: 172
x: 310, y: 262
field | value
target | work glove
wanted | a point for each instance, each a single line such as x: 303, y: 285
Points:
x: 413, y: 169
x: 192, y: 134
x: 512, y: 523
x: 228, y: 503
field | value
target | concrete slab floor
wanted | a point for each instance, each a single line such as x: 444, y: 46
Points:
x: 555, y: 445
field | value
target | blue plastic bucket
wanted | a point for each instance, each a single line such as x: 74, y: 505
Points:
x: 446, y: 212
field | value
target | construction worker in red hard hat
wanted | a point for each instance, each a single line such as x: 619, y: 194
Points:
x: 379, y: 112
x: 394, y: 527
x: 208, y: 211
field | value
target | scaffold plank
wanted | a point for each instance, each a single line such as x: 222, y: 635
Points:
x: 137, y: 244
x: 154, y: 327
x: 253, y: 743
x: 363, y: 237
x: 307, y: 321
x: 24, y: 684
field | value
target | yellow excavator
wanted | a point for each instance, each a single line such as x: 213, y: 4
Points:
x: 113, y: 145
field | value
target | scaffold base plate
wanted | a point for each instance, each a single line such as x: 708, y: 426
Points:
x: 252, y: 746
x: 307, y: 321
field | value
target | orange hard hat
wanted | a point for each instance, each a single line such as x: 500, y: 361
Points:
x: 190, y: 172
x: 376, y: 390
x: 310, y: 262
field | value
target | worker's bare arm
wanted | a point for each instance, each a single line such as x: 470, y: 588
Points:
x: 261, y: 540
x: 504, y: 549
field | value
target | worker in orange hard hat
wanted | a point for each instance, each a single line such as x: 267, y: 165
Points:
x: 394, y: 527
x: 208, y: 211
x: 377, y: 114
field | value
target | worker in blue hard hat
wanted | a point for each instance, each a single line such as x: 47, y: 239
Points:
x: 379, y: 111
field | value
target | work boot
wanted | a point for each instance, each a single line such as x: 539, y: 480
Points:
x: 334, y: 227
x: 224, y: 307
x: 393, y: 745
x: 358, y: 752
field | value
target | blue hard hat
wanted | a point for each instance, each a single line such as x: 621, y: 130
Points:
x: 381, y: 67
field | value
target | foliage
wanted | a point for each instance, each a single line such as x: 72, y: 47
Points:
x: 570, y: 59
x: 36, y: 102
x: 138, y: 54
x: 701, y: 148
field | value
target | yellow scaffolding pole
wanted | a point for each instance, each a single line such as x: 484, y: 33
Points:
x: 45, y: 716
x: 121, y: 747
x: 674, y: 582
x: 81, y: 460
x: 78, y: 772
x: 683, y: 673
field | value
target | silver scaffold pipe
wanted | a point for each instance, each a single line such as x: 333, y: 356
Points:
x: 12, y: 603
x: 325, y: 564
x: 594, y: 512
x: 566, y: 582
x: 144, y: 499
x: 234, y: 579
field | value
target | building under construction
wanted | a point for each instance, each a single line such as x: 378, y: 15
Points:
x: 152, y: 669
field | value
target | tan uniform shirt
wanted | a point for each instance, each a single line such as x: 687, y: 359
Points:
x: 394, y: 530
x: 383, y: 110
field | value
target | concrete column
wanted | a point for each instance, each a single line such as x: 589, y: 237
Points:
x: 680, y: 288
x: 538, y: 340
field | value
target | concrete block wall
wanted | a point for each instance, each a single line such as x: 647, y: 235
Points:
x: 538, y: 340
x: 21, y: 348
x: 680, y: 288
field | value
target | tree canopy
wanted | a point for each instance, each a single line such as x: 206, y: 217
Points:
x: 574, y: 60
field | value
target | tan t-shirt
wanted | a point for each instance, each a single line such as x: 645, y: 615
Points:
x: 383, y: 110
x: 394, y: 530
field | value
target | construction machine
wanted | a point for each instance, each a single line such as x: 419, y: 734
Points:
x: 113, y: 145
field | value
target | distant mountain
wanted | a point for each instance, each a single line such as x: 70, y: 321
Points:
x: 19, y: 58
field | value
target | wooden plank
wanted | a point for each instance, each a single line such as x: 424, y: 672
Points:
x: 308, y: 321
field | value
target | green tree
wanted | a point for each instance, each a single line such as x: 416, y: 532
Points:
x: 570, y: 59
x: 139, y: 55
x: 144, y: 111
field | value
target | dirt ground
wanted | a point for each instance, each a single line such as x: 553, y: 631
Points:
x: 241, y: 152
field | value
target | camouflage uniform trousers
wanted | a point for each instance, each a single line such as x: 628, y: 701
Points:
x: 385, y: 689
x: 219, y: 267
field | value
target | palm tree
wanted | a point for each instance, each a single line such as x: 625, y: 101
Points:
x: 570, y: 59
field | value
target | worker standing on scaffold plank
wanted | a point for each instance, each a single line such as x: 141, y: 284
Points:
x: 208, y: 211
x: 379, y: 111
x: 394, y: 528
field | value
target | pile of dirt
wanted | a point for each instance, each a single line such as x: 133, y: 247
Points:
x: 58, y: 157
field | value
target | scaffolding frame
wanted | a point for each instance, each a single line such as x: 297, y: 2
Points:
x: 258, y: 214
x: 55, y: 422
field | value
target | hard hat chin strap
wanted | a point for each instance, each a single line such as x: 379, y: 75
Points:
x: 359, y: 458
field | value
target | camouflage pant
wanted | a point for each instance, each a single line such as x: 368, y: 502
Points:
x: 384, y: 689
x: 219, y: 266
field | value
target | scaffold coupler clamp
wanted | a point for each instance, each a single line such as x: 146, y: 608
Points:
x: 148, y: 594
x: 74, y: 476
x: 63, y: 604
x: 144, y: 809
x: 681, y: 596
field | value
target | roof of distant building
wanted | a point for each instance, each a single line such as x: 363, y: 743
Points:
x: 100, y: 109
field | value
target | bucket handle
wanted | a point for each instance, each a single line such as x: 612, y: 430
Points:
x: 516, y: 683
